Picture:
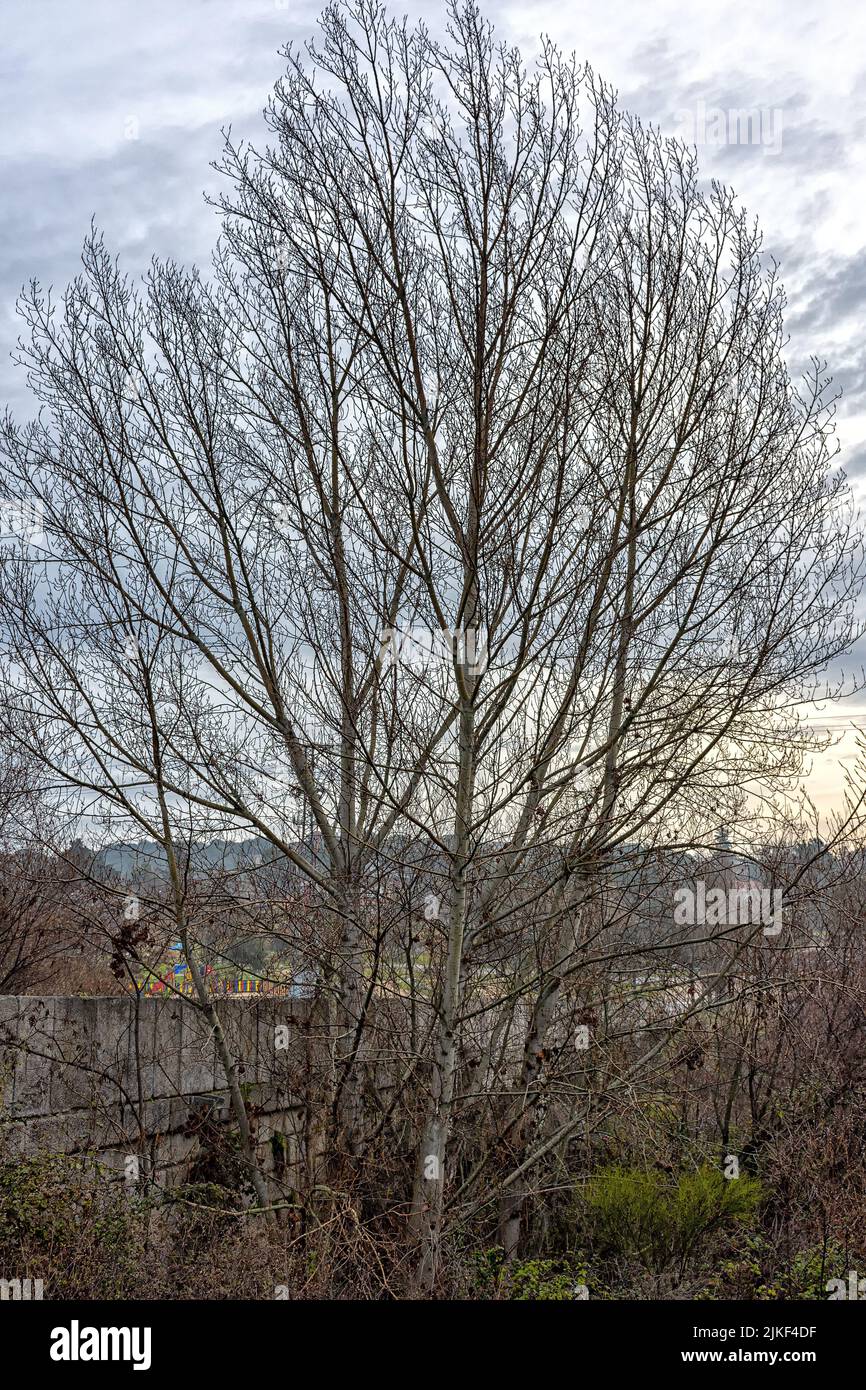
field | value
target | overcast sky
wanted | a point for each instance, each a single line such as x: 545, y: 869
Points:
x: 112, y: 110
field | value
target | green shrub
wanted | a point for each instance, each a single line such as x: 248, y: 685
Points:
x: 61, y: 1222
x: 546, y: 1280
x: 660, y: 1220
x: 758, y: 1271
x: 806, y: 1275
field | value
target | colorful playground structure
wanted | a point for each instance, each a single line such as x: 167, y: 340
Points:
x: 173, y: 976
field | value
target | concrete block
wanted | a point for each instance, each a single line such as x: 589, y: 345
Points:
x: 9, y: 1007
x: 76, y: 1079
x: 199, y: 1063
x: 34, y: 1058
x: 165, y: 1046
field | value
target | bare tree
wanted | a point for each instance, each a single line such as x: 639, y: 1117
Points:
x: 479, y: 357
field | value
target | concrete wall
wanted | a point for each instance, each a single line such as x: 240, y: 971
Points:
x: 117, y: 1078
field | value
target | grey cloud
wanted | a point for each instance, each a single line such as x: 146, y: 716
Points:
x: 853, y: 462
x: 833, y: 291
x: 850, y: 376
x: 146, y: 202
x: 186, y: 69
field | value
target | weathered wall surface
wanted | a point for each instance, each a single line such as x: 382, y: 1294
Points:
x: 120, y: 1077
